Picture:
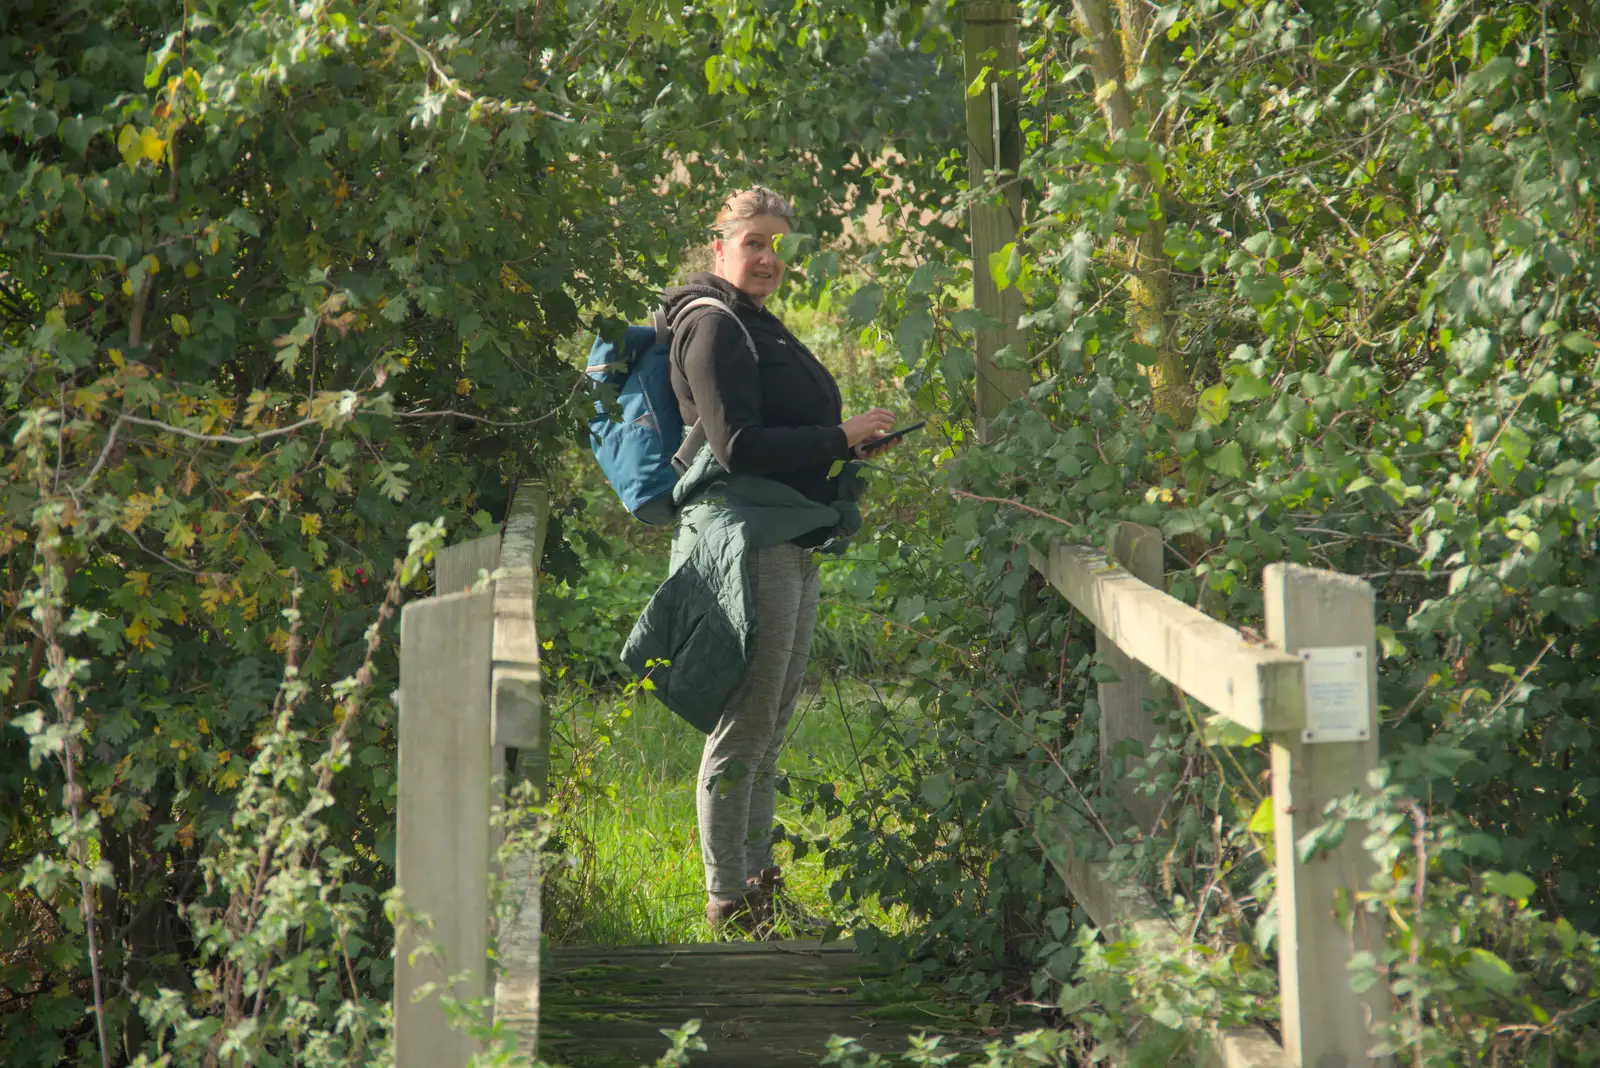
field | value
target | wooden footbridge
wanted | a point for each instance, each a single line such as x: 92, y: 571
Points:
x: 471, y: 719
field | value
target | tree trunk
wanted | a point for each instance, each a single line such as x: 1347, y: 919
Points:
x: 1118, y: 59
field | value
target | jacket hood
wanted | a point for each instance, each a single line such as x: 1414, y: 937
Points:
x: 704, y: 284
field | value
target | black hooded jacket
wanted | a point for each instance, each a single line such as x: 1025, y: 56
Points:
x: 778, y: 418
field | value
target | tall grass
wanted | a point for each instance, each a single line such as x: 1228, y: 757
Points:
x: 627, y: 836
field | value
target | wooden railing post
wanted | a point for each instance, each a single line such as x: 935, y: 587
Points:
x: 1122, y: 712
x: 443, y: 841
x: 469, y: 691
x: 1327, y: 619
x: 994, y: 142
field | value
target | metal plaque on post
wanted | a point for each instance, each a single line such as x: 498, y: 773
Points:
x: 1338, y: 706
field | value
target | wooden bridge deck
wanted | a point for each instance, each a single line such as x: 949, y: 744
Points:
x: 761, y: 1004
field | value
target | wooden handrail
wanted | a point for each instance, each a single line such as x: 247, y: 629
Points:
x: 1258, y: 688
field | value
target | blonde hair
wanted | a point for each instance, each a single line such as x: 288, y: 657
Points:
x: 747, y: 204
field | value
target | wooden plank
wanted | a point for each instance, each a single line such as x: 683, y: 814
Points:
x: 518, y: 946
x: 518, y: 713
x: 517, y: 721
x: 1324, y: 1021
x: 772, y: 1004
x: 1253, y: 685
x: 442, y: 815
x: 994, y: 141
x: 516, y: 637
x: 1245, y: 1048
x: 456, y: 567
x: 1122, y: 713
x: 784, y: 949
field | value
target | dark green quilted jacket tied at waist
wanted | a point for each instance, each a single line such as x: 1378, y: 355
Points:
x: 693, y: 641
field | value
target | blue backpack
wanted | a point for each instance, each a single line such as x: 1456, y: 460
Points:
x: 636, y: 449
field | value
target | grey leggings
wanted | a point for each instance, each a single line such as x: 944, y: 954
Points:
x: 738, y: 769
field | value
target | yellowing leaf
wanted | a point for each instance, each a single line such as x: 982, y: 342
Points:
x: 310, y: 524
x: 138, y: 634
x: 136, y: 510
x: 152, y: 145
x: 212, y: 599
x: 180, y: 325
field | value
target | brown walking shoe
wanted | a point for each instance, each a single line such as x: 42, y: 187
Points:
x: 760, y: 891
x: 727, y: 915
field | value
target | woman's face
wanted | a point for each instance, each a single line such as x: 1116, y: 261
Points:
x: 748, y: 259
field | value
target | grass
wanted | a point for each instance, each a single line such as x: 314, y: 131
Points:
x: 627, y: 830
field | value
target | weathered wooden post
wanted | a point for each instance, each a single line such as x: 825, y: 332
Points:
x: 443, y: 841
x: 519, y: 724
x: 994, y: 142
x: 1122, y: 712
x: 469, y: 691
x: 1327, y: 620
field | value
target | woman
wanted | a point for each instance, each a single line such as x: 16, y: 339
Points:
x: 775, y: 413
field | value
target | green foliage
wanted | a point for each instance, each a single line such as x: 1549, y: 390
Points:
x: 1382, y: 241
x: 278, y: 282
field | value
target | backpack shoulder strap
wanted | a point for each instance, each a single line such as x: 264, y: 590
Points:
x: 703, y: 302
x: 694, y: 437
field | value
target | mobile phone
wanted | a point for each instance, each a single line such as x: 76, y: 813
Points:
x: 869, y: 447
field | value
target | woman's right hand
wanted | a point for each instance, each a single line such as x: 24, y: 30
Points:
x: 859, y: 428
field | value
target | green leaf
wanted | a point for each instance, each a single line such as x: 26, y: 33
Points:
x: 130, y: 146
x: 864, y: 302
x: 1589, y: 78
x: 915, y: 329
x: 1247, y: 387
x: 1263, y: 821
x: 936, y: 789
x: 1220, y: 730
x: 979, y: 83
x: 1358, y: 484
x: 1000, y: 271
x: 1228, y: 460
x: 1509, y: 884
x: 1213, y: 404
x: 1491, y: 971
x: 1516, y: 445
